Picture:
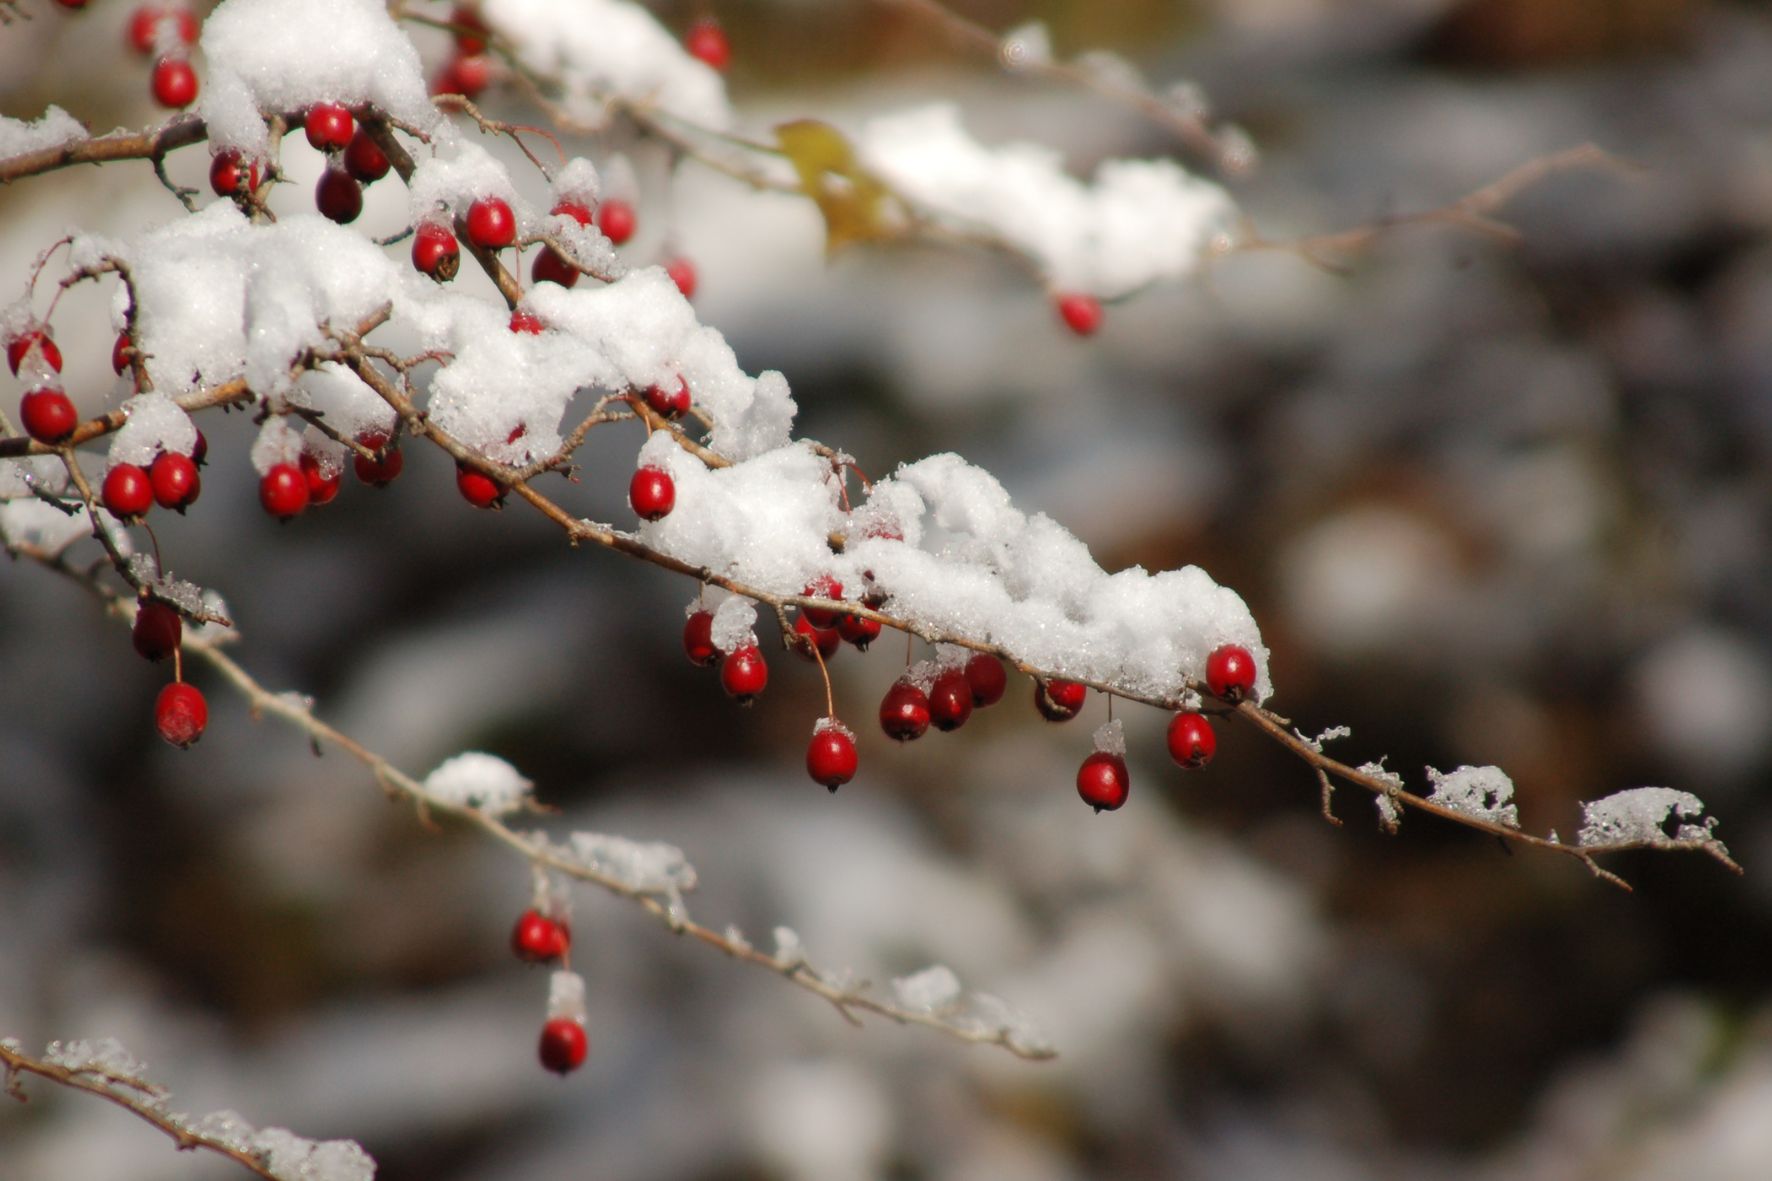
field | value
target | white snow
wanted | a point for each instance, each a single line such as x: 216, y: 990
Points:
x: 33, y: 522
x: 278, y: 442
x: 53, y: 129
x: 1642, y: 814
x: 929, y: 991
x: 647, y: 867
x: 1110, y: 738
x: 154, y: 424
x: 1483, y: 792
x: 734, y: 624
x: 566, y: 995
x: 480, y: 781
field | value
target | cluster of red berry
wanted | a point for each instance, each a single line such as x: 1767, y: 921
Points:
x: 168, y: 31
x: 541, y: 939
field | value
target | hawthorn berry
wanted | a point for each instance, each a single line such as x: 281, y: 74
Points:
x: 338, y: 196
x: 1081, y: 313
x: 435, y: 251
x: 478, y: 488
x: 652, y: 493
x: 524, y: 320
x: 1103, y: 781
x: 577, y: 211
x: 144, y: 26
x: 682, y: 273
x: 283, y: 491
x: 1191, y: 740
x: 387, y: 464
x: 824, y: 639
x: 200, y: 449
x: 467, y: 74
x: 616, y: 219
x: 329, y: 127
x: 986, y: 678
x: 904, y: 711
x: 174, y: 83
x: 698, y: 639
x: 563, y: 1045
x: 175, y: 480
x: 673, y: 403
x: 157, y: 630
x: 950, y: 700
x: 491, y: 225
x: 470, y: 30
x: 538, y: 939
x: 121, y: 352
x: 550, y: 267
x: 127, y: 493
x: 230, y: 174
x: 38, y: 338
x: 48, y: 415
x: 181, y: 714
x: 322, y: 488
x: 858, y: 631
x: 364, y: 158
x: 1059, y: 700
x: 830, y: 758
x: 822, y: 587
x: 706, y: 41
x: 1230, y: 672
x: 744, y: 673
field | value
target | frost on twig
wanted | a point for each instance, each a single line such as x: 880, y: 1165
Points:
x: 1640, y: 816
x: 1390, y: 813
x: 483, y: 782
x: 937, y: 991
x: 1483, y: 792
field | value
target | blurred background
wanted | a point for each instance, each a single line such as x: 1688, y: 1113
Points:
x: 1491, y: 502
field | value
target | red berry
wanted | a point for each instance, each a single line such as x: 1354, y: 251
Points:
x: 1103, y: 782
x: 858, y: 631
x: 985, y: 676
x: 466, y: 75
x: 470, y: 30
x: 1059, y: 700
x: 75, y: 5
x: 652, y: 493
x: 698, y: 639
x: 321, y: 487
x: 200, y: 450
x: 174, y: 83
x: 478, y: 488
x: 380, y: 471
x: 616, y: 219
x: 127, y: 493
x: 1230, y: 672
x: 830, y: 759
x: 329, y: 127
x: 338, y: 196
x: 20, y: 345
x: 435, y: 251
x: 524, y: 320
x: 283, y: 491
x: 157, y: 630
x: 364, y: 158
x: 1191, y: 740
x: 743, y: 674
x: 538, y: 939
x: 950, y: 700
x: 550, y: 267
x: 491, y: 225
x: 577, y: 212
x: 682, y: 273
x: 48, y: 415
x: 121, y: 352
x: 230, y: 174
x: 706, y: 40
x: 825, y: 639
x: 175, y: 480
x: 904, y: 712
x: 672, y: 402
x: 563, y: 1045
x: 144, y: 25
x: 822, y: 587
x: 1080, y: 313
x: 180, y: 714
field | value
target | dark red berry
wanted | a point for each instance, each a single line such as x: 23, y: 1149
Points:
x: 74, y: 5
x: 1191, y: 740
x: 858, y: 631
x: 127, y: 493
x: 1103, y: 782
x: 321, y: 487
x: 121, y: 352
x: 470, y: 30
x: 671, y: 400
x: 825, y: 639
x: 538, y: 939
x: 682, y: 273
x: 1080, y: 313
x: 283, y: 491
x: 181, y: 714
x: 830, y: 758
x: 743, y: 674
x: 950, y: 700
x: 616, y: 219
x: 144, y: 25
x: 364, y: 158
x: 822, y: 587
x: 1230, y: 672
x: 329, y: 127
x: 175, y: 480
x: 20, y: 345
x: 157, y: 630
x: 491, y: 225
x: 652, y: 493
x: 698, y: 639
x: 524, y: 320
x: 1059, y: 700
x: 550, y: 267
x: 435, y: 251
x: 48, y: 415
x: 706, y: 40
x: 338, y: 196
x: 174, y: 83
x: 904, y: 712
x: 478, y: 488
x: 984, y: 673
x: 380, y: 471
x: 200, y: 450
x: 466, y: 75
x: 563, y: 1045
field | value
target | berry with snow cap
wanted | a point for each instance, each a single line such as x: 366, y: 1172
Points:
x: 830, y: 757
x: 563, y: 1045
x: 1230, y: 672
x: 175, y: 481
x: 744, y: 674
x: 491, y: 225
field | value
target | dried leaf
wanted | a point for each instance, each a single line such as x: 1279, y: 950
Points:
x: 852, y: 202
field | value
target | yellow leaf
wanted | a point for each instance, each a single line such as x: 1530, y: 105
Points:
x: 852, y: 202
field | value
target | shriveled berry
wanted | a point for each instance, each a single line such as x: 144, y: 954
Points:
x: 652, y: 493
x: 1103, y: 781
x: 682, y: 273
x: 706, y: 41
x: 563, y: 1045
x: 338, y: 196
x: 174, y: 83
x: 329, y: 127
x: 1230, y: 672
x: 830, y: 758
x: 1059, y: 700
x: 538, y: 939
x: 364, y: 158
x: 478, y: 488
x: 1191, y: 740
x: 550, y: 267
x: 181, y: 714
x: 380, y: 471
x: 698, y: 639
x: 617, y: 220
x: 21, y: 345
x: 858, y: 631
x: 127, y: 492
x: 491, y: 225
x: 175, y: 480
x: 230, y: 174
x: 283, y: 491
x: 904, y: 711
x: 48, y: 415
x: 822, y: 587
x: 322, y: 486
x: 157, y: 630
x: 435, y: 251
x: 1081, y: 313
x: 985, y: 675
x: 671, y: 400
x: 744, y: 673
x: 950, y: 700
x: 824, y: 639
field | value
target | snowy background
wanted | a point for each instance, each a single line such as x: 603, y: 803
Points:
x: 1490, y: 504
